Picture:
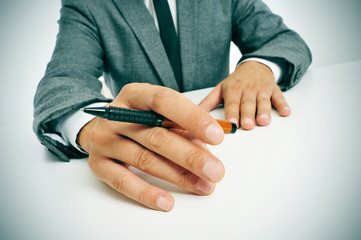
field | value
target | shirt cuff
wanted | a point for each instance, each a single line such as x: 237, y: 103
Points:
x: 275, y: 68
x: 71, y: 124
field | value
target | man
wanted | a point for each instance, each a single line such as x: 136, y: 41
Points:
x: 122, y: 40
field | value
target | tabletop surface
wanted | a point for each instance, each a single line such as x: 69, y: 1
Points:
x: 298, y: 178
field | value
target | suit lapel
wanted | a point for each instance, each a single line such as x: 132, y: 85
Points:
x: 142, y: 24
x: 187, y: 32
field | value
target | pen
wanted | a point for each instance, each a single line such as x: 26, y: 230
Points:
x: 145, y: 117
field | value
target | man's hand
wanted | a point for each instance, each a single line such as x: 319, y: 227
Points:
x: 250, y: 92
x: 176, y: 156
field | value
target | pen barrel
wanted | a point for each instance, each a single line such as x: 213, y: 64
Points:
x: 134, y: 116
x: 228, y: 127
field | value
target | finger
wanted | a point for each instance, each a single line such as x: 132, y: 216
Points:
x: 175, y: 107
x: 212, y: 100
x: 232, y: 101
x: 190, y: 137
x: 132, y: 153
x: 179, y: 150
x: 248, y: 110
x: 264, y: 108
x: 126, y: 182
x: 280, y: 103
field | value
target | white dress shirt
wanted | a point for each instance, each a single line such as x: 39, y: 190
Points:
x: 70, y: 125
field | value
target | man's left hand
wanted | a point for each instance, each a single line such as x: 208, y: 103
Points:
x: 248, y: 95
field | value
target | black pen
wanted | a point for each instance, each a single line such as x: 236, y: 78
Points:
x: 145, y: 117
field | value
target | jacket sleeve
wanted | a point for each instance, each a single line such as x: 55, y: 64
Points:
x: 71, y: 78
x: 259, y: 33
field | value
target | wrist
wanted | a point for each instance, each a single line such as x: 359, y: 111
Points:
x: 83, y: 137
x: 257, y: 68
x: 275, y: 66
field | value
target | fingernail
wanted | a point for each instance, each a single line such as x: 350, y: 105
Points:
x: 212, y: 170
x: 247, y: 121
x: 163, y: 203
x: 204, y: 186
x: 264, y: 117
x: 233, y: 120
x: 214, y: 133
x: 287, y: 109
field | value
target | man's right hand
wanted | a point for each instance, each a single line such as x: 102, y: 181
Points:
x: 179, y: 157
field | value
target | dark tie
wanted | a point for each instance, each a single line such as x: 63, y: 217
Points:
x: 169, y: 38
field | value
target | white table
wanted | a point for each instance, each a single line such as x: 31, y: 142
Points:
x: 299, y: 178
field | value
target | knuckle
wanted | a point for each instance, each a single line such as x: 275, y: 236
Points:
x: 232, y: 104
x: 142, y: 196
x: 237, y: 87
x: 192, y: 159
x: 196, y: 118
x: 121, y: 183
x: 264, y: 96
x: 182, y: 178
x: 96, y: 137
x: 276, y: 91
x: 146, y: 160
x: 248, y: 101
x: 278, y: 96
x: 278, y: 100
x: 129, y: 88
x: 233, y: 89
x: 263, y: 100
x: 160, y: 98
x: 156, y: 138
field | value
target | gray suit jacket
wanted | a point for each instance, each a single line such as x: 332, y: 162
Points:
x: 118, y: 39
